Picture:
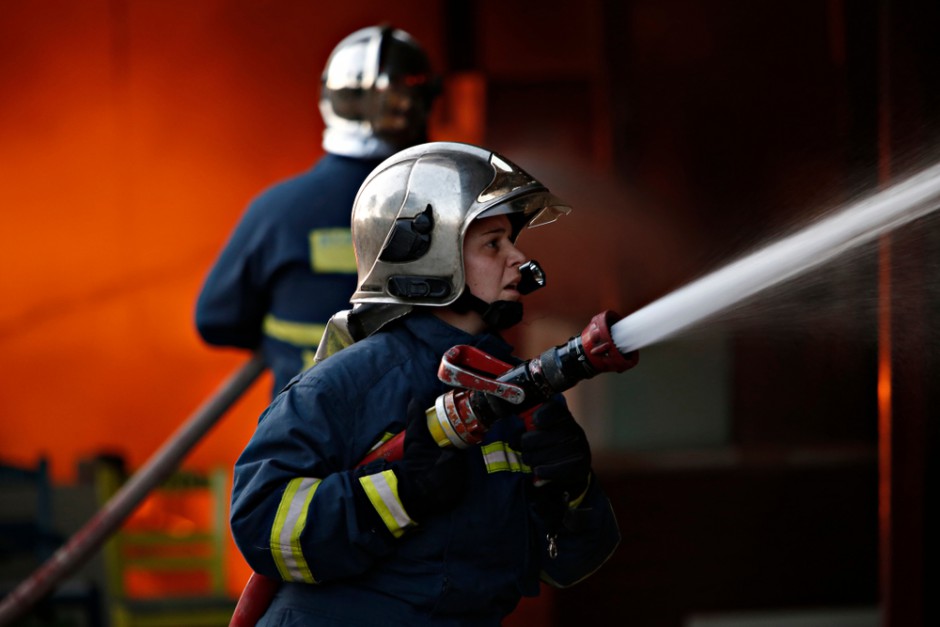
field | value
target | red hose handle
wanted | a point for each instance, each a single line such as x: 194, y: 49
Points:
x: 254, y: 600
x: 391, y: 450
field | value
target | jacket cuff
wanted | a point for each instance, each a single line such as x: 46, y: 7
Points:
x: 381, y: 489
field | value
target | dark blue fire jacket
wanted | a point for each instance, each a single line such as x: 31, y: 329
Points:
x: 294, y: 509
x: 287, y: 267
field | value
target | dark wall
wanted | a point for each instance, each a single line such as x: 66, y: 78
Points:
x: 686, y: 133
x: 756, y: 535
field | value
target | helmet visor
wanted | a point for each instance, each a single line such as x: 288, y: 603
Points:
x: 529, y: 210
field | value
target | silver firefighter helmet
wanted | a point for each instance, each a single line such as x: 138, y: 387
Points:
x: 412, y: 212
x: 376, y: 93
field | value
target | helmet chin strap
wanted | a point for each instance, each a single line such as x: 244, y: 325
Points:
x: 503, y: 314
x: 498, y: 315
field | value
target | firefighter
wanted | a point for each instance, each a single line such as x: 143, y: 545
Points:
x: 442, y: 536
x: 288, y: 265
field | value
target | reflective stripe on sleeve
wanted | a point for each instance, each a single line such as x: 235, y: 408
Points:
x: 289, y: 523
x: 382, y: 491
x: 296, y: 333
x: 500, y: 458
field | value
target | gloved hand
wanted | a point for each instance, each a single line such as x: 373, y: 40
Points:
x: 557, y: 450
x: 431, y: 479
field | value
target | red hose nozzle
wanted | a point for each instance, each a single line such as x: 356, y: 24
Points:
x: 599, y: 348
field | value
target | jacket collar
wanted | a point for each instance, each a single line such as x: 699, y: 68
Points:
x: 440, y: 336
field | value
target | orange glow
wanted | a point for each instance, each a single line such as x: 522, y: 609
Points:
x: 176, y: 514
x: 460, y: 117
x: 885, y: 461
x: 884, y: 397
x: 134, y: 134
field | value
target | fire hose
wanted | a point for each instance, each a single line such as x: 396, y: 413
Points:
x: 487, y: 389
x: 818, y: 243
x: 161, y: 464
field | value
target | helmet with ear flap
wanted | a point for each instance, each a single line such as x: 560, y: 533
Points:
x: 410, y: 238
x: 412, y: 212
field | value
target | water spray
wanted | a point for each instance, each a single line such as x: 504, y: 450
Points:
x: 461, y: 417
x: 806, y: 249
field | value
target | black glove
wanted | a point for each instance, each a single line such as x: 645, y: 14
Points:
x: 557, y: 450
x: 431, y: 479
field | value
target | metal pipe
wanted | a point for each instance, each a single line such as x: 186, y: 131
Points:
x: 106, y: 521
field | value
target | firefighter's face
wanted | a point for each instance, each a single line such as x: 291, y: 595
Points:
x: 491, y: 260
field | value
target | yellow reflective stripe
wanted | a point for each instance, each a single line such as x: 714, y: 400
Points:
x: 382, y: 490
x: 289, y: 523
x: 574, y: 504
x: 500, y: 458
x: 297, y: 333
x: 331, y: 250
x: 385, y: 438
